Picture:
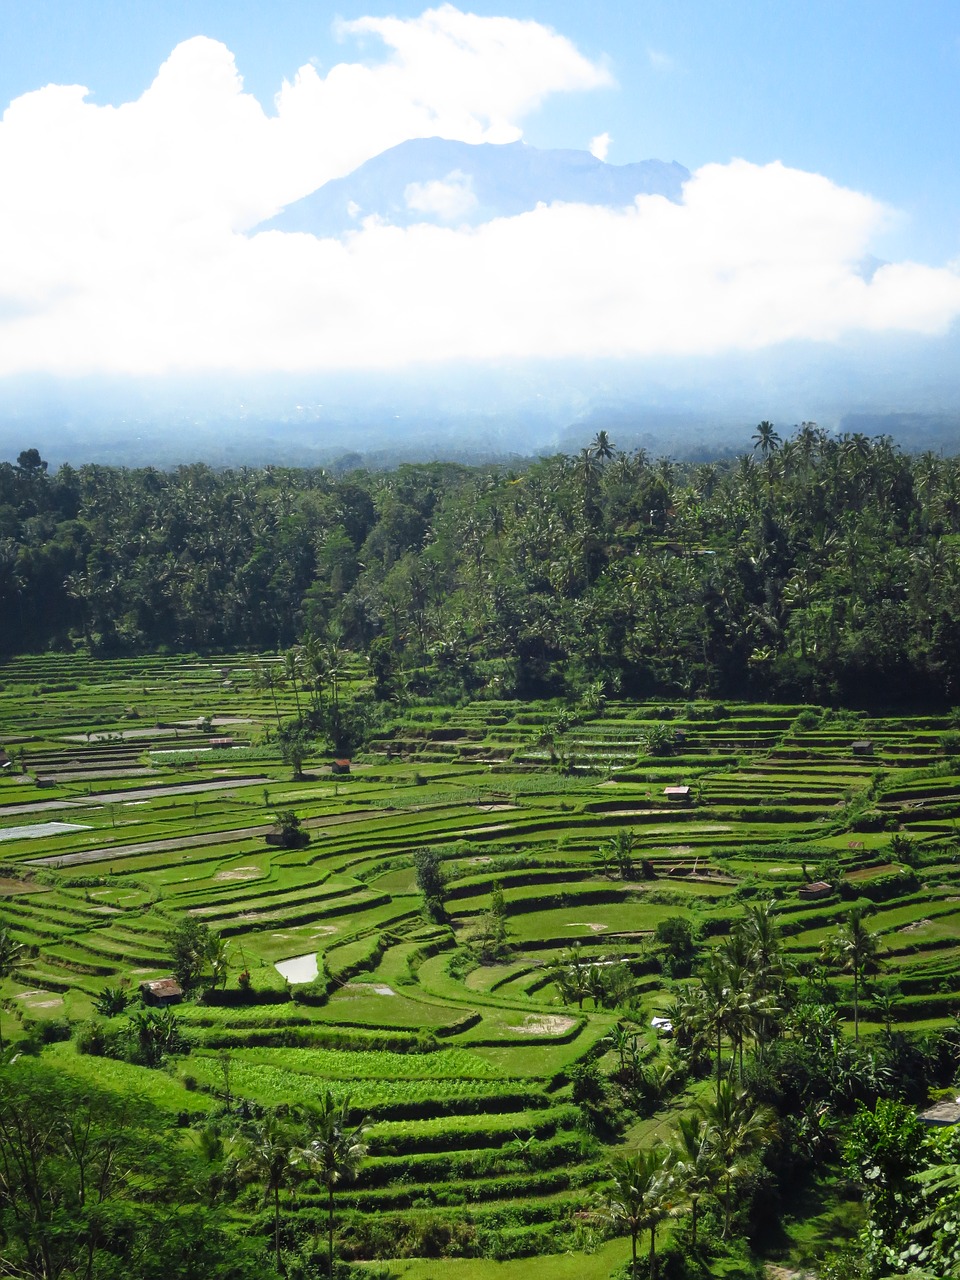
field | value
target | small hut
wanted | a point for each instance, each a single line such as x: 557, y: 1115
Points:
x: 816, y: 889
x: 161, y: 992
x: 864, y: 747
x: 677, y: 795
x: 340, y: 766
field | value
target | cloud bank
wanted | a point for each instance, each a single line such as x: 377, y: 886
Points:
x: 128, y: 241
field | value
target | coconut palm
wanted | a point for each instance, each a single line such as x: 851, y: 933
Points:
x: 766, y: 438
x: 713, y: 997
x: 267, y: 677
x: 697, y: 1166
x: 738, y: 1128
x: 293, y: 672
x: 334, y: 1151
x: 767, y: 969
x: 601, y: 448
x: 271, y: 1159
x: 853, y: 949
x: 642, y: 1196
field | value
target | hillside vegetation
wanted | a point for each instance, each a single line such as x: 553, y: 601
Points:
x: 555, y: 862
x: 484, y: 914
x: 820, y: 568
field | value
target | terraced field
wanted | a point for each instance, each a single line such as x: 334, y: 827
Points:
x: 119, y: 815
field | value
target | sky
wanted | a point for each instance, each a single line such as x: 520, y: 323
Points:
x: 143, y: 141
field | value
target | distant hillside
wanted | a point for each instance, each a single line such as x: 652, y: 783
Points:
x: 435, y: 180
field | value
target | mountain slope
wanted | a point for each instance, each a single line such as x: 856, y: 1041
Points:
x: 436, y: 180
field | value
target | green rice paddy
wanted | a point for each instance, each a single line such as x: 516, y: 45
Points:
x: 451, y: 1062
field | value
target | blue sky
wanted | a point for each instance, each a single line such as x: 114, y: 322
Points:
x: 820, y: 133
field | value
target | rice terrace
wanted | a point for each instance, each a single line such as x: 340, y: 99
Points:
x: 486, y: 933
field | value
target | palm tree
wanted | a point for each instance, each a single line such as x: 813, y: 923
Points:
x: 267, y: 676
x: 271, y: 1159
x: 217, y: 957
x: 738, y: 1127
x: 620, y: 849
x: 761, y: 934
x: 697, y: 1168
x: 601, y: 448
x: 334, y: 1151
x: 642, y: 1196
x: 570, y: 975
x: 596, y: 985
x: 713, y: 997
x: 293, y: 671
x: 853, y: 949
x: 886, y: 1003
x: 766, y: 438
x: 623, y: 1038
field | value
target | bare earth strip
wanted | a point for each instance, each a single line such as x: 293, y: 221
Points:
x: 178, y: 842
x: 97, y: 775
x: 147, y: 793
x: 37, y: 830
x: 150, y: 846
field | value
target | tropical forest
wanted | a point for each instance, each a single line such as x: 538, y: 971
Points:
x: 431, y: 872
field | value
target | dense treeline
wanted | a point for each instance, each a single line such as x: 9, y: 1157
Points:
x: 823, y: 565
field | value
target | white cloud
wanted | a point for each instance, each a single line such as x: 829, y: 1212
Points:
x: 660, y: 61
x: 600, y: 146
x: 450, y: 199
x: 123, y: 245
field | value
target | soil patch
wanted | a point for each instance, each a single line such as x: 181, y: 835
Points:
x: 10, y: 888
x: 36, y: 999
x: 546, y: 1024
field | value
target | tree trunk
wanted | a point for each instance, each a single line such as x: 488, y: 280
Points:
x: 856, y: 1006
x: 276, y: 1228
x: 330, y: 1231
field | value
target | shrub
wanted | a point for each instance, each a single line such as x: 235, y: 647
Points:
x: 111, y: 1001
x: 807, y: 720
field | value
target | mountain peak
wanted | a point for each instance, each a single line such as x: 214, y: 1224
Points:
x: 444, y: 182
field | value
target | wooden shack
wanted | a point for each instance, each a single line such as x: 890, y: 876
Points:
x: 161, y: 992
x: 677, y: 795
x: 817, y: 889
